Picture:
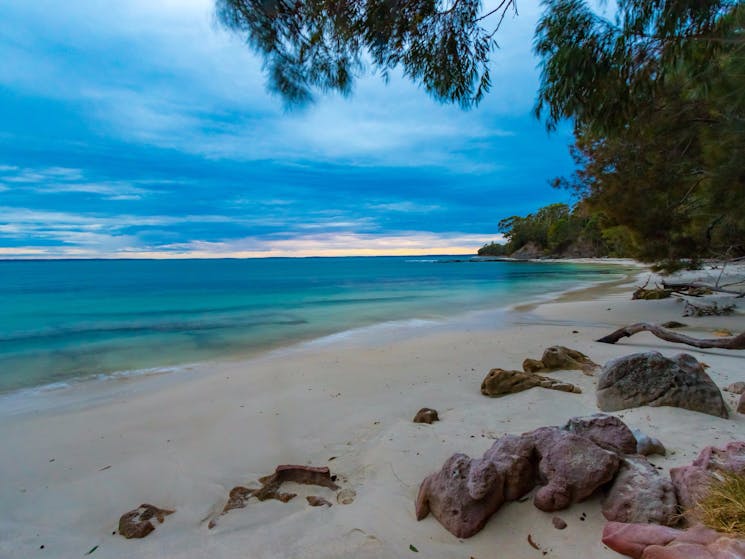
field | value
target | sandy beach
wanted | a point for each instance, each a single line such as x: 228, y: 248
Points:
x: 73, y: 462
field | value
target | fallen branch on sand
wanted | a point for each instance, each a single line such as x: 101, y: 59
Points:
x: 678, y: 287
x: 733, y: 342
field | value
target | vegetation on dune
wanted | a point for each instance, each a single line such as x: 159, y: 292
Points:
x: 723, y: 507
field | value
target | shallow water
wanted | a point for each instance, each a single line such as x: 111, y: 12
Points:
x: 64, y: 320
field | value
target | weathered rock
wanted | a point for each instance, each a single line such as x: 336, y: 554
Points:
x: 741, y: 403
x: 516, y: 460
x: 238, y: 498
x: 646, y: 445
x: 528, y: 251
x: 654, y: 380
x: 652, y: 541
x: 606, y: 431
x: 651, y: 294
x: 307, y: 475
x: 426, y: 415
x: 691, y: 481
x: 462, y: 495
x: 640, y: 494
x: 736, y: 387
x: 558, y: 523
x: 572, y: 468
x: 139, y: 522
x: 560, y: 358
x: 500, y: 382
x: 315, y: 501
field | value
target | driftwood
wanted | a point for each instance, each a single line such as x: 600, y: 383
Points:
x: 733, y: 342
x: 678, y: 287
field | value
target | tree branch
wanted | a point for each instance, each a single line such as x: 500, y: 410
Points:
x: 733, y: 342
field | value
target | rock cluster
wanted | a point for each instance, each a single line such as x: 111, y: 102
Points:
x: 654, y: 380
x: 567, y: 463
x: 560, y: 358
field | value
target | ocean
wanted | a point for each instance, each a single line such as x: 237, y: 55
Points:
x: 71, y: 320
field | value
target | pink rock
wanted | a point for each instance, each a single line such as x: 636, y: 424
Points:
x: 572, y: 468
x: 691, y: 481
x: 516, y: 460
x: 632, y: 539
x: 650, y: 541
x: 741, y: 403
x: 606, y: 431
x: 462, y: 496
x: 641, y: 494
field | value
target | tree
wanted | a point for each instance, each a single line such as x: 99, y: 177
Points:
x: 656, y: 99
x: 324, y: 44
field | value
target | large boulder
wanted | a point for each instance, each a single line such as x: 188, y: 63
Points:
x: 652, y: 541
x: 462, y: 496
x: 500, y: 382
x: 517, y: 461
x: 654, y: 380
x: 691, y: 481
x: 529, y: 251
x: 641, y: 494
x: 570, y: 468
x: 560, y: 358
x: 606, y: 431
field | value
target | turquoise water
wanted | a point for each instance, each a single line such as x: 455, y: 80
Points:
x: 75, y: 319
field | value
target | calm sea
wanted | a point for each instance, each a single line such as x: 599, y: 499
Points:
x: 64, y: 320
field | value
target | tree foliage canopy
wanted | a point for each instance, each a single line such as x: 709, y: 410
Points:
x: 324, y: 44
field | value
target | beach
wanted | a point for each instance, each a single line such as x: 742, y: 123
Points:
x: 73, y: 463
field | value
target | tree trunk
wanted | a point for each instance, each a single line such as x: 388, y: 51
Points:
x: 733, y: 342
x: 677, y: 287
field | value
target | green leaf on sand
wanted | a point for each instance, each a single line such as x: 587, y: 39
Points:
x: 94, y: 548
x: 414, y: 549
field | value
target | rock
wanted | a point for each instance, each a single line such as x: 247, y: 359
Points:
x: 560, y: 358
x: 237, y: 498
x: 462, y: 496
x: 528, y: 251
x: 569, y: 467
x: 741, y: 403
x: 516, y: 460
x: 558, y: 523
x: 641, y: 494
x: 500, y: 382
x: 673, y: 324
x: 572, y: 468
x: 314, y: 501
x: 139, y: 522
x: 691, y: 481
x: 307, y: 475
x: 606, y: 431
x: 651, y: 294
x: 426, y: 415
x: 651, y: 541
x: 736, y: 387
x: 654, y: 380
x: 646, y: 445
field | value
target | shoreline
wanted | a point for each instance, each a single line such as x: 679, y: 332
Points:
x: 70, y: 473
x: 98, y: 384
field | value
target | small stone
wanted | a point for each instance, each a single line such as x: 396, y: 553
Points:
x: 673, y: 324
x: 314, y: 501
x: 138, y: 523
x: 741, y: 404
x: 558, y: 523
x: 346, y: 496
x: 426, y: 415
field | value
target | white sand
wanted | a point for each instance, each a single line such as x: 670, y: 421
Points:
x: 183, y: 441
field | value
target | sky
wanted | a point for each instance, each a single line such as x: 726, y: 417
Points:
x: 142, y: 129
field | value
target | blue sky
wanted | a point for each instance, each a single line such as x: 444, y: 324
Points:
x: 140, y: 128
